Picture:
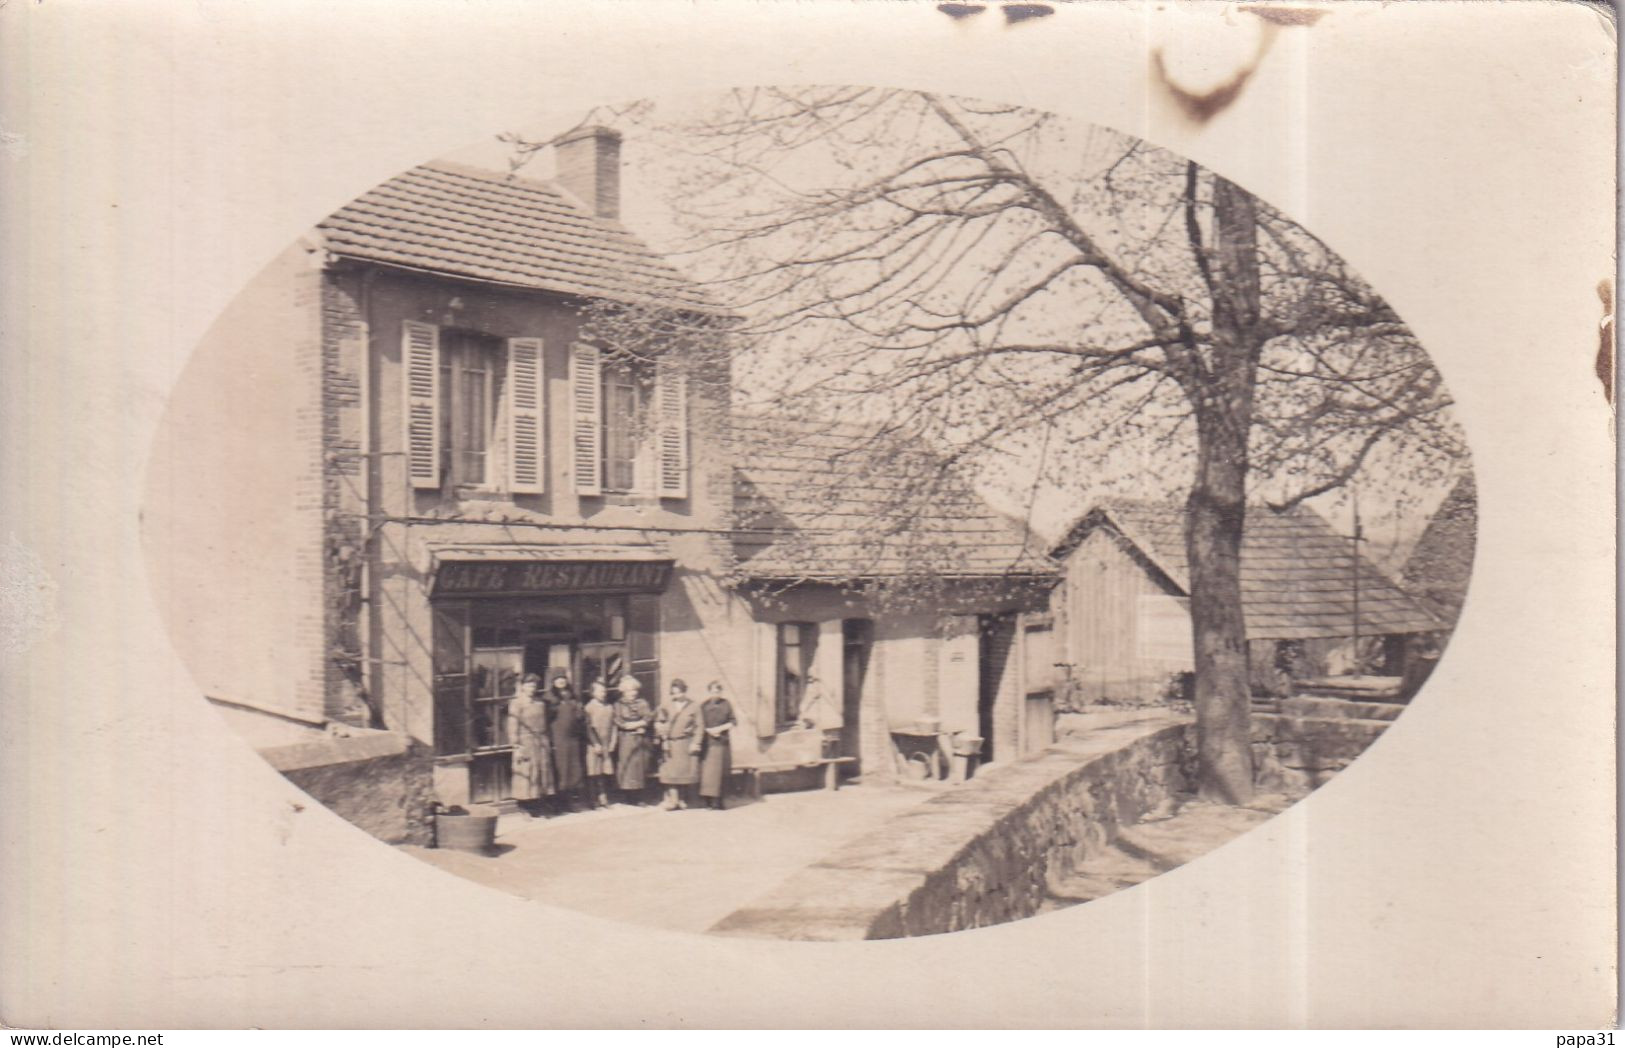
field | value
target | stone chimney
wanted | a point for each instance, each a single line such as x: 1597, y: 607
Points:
x: 588, y: 164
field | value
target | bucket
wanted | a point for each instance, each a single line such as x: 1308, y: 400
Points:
x: 475, y: 831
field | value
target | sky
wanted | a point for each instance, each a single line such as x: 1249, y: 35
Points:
x: 1392, y: 514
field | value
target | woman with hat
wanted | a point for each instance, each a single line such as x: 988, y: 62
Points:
x: 567, y: 730
x: 600, y: 721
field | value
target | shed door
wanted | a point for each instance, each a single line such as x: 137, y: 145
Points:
x: 995, y: 707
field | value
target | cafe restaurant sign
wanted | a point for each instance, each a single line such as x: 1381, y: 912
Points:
x: 525, y: 578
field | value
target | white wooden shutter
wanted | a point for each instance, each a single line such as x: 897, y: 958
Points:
x: 526, y: 417
x: 586, y: 393
x: 671, y: 450
x: 420, y: 363
x: 765, y: 710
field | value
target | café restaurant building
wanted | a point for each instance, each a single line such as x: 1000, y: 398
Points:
x: 503, y: 493
x: 471, y: 486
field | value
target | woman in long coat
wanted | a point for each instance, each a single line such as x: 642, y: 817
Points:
x: 568, y: 732
x: 717, y: 719
x: 600, y: 744
x: 532, y: 747
x: 632, y: 718
x: 677, y: 725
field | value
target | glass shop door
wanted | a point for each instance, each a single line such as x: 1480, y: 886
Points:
x: 494, y: 681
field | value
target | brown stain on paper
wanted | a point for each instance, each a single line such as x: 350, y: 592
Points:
x: 1304, y: 16
x: 1204, y: 106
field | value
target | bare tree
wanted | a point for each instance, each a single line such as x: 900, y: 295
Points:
x: 978, y: 278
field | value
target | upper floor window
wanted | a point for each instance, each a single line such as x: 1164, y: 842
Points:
x: 470, y: 391
x: 627, y: 433
x: 473, y: 409
x: 630, y: 425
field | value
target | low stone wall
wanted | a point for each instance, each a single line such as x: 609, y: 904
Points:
x: 986, y: 852
x: 378, y: 780
x: 1294, y: 755
x: 982, y: 853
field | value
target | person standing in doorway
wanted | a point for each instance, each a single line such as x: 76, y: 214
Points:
x: 600, y: 716
x: 632, y: 720
x: 717, y: 721
x: 568, y: 733
x: 532, y: 746
x: 677, y: 725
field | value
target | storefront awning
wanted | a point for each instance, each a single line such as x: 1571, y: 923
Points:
x: 514, y: 569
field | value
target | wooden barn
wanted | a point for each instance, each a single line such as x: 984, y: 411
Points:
x: 1122, y: 610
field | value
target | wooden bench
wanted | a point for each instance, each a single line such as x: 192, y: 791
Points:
x: 831, y: 766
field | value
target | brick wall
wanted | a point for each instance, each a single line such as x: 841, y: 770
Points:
x: 343, y: 484
x: 309, y: 569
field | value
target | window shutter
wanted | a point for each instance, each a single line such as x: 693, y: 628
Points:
x: 526, y: 417
x: 671, y: 400
x: 586, y: 392
x: 765, y: 710
x: 420, y: 363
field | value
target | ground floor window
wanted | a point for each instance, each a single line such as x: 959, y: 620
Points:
x: 798, y: 642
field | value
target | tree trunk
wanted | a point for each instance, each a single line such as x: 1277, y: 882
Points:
x: 1216, y: 512
x: 1217, y: 507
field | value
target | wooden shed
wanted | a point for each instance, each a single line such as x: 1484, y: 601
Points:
x: 1122, y: 609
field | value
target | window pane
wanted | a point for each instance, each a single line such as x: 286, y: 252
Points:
x: 447, y: 411
x: 451, y: 715
x: 621, y: 407
x: 795, y: 653
x: 468, y: 396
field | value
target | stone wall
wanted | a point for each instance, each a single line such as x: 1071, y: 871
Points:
x: 379, y: 780
x: 988, y: 852
x: 983, y: 853
x: 1294, y: 755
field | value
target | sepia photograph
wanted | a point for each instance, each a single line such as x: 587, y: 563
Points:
x: 953, y: 510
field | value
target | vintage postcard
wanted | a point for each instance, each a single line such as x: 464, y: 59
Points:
x: 821, y: 515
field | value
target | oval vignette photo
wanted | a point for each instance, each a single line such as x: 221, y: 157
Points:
x: 881, y: 513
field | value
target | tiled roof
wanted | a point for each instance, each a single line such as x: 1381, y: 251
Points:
x: 1442, y: 562
x: 484, y: 225
x: 1297, y: 574
x: 831, y: 501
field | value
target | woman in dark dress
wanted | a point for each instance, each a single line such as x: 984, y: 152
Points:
x: 568, y: 732
x: 632, y: 719
x: 717, y: 718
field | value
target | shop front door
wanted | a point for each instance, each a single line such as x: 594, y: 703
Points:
x: 495, y: 672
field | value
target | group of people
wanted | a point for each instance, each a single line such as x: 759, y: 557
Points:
x: 568, y: 755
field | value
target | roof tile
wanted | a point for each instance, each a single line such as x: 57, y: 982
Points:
x: 1297, y: 574
x: 820, y: 500
x: 484, y: 225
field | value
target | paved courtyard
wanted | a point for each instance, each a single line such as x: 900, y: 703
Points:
x: 682, y: 870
